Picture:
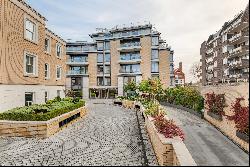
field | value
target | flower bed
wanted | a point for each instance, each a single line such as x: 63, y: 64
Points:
x: 43, y: 112
x: 41, y: 121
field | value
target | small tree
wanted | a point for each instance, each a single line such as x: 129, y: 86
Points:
x: 196, y: 70
x: 131, y: 89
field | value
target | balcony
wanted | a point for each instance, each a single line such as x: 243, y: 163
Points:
x: 78, y: 50
x: 209, y: 51
x: 244, y: 63
x: 131, y: 60
x: 239, y: 38
x: 78, y: 62
x: 135, y: 46
x: 130, y: 72
x: 237, y: 26
x: 239, y: 51
x: 76, y: 73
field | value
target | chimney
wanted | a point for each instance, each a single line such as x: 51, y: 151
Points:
x: 180, y: 66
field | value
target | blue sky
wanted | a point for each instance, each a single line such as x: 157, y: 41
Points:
x: 185, y: 24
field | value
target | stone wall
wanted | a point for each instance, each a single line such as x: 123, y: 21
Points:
x: 231, y: 93
x: 39, y: 129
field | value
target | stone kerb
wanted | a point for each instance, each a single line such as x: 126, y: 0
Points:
x: 169, y: 152
x: 38, y: 129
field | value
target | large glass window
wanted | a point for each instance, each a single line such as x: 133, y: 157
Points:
x: 100, y: 81
x: 99, y: 46
x: 30, y: 64
x: 107, y: 69
x: 155, y: 54
x: 130, y: 56
x: 135, y: 68
x: 99, y: 58
x: 29, y: 98
x: 79, y: 58
x: 79, y: 70
x: 155, y: 67
x: 46, y: 96
x: 100, y: 69
x: 107, y: 81
x: 155, y: 41
x: 30, y: 30
x: 107, y: 45
x: 107, y: 57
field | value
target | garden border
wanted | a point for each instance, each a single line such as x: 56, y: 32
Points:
x: 39, y: 129
x: 183, y: 108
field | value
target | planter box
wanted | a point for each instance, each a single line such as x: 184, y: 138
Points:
x: 128, y: 104
x: 183, y: 108
x: 40, y: 129
x: 215, y: 116
x: 242, y: 136
x: 118, y: 102
x: 169, y: 152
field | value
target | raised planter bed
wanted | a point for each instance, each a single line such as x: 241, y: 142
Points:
x: 169, y: 152
x: 128, y: 104
x: 183, y: 108
x: 242, y: 136
x: 215, y: 116
x: 40, y: 129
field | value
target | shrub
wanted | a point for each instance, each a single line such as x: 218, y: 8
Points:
x: 215, y: 103
x: 168, y: 128
x: 43, y: 112
x: 185, y: 96
x: 240, y: 116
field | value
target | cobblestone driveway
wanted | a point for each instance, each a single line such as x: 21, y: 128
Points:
x: 109, y: 135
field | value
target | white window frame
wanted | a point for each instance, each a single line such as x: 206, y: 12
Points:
x: 48, y: 71
x: 61, y: 49
x: 33, y: 98
x: 35, y: 40
x: 35, y: 64
x: 59, y: 67
x: 49, y: 45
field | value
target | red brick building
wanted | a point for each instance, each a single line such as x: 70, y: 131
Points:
x: 179, y: 76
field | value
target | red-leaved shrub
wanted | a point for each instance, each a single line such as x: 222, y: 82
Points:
x: 168, y: 127
x: 241, y: 116
x: 215, y: 103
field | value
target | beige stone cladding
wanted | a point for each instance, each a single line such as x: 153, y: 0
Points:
x: 231, y: 93
x: 164, y: 67
x: 92, y: 69
x: 146, y: 57
x: 14, y: 45
x: 115, y: 66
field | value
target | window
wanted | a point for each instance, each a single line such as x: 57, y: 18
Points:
x: 107, y: 81
x: 47, y: 45
x: 215, y: 64
x: 100, y: 81
x: 30, y: 30
x: 79, y: 70
x: 30, y: 64
x: 107, y: 57
x: 58, y: 72
x: 29, y: 98
x: 58, y: 92
x: 99, y: 46
x: 155, y: 67
x: 107, y: 69
x: 58, y: 50
x: 99, y: 58
x: 155, y: 54
x: 155, y: 41
x: 46, y: 96
x: 135, y: 68
x: 100, y: 70
x: 47, y: 71
x: 107, y: 45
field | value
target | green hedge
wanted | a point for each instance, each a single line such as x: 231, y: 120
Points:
x: 43, y: 112
x: 185, y: 96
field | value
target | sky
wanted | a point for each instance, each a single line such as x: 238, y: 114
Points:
x: 184, y: 24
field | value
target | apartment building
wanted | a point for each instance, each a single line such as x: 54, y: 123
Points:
x: 179, y: 76
x: 225, y: 55
x: 100, y: 69
x: 32, y: 58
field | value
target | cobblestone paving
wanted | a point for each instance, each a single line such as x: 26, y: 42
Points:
x: 207, y: 145
x: 108, y: 135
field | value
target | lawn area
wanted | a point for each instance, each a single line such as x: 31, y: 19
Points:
x: 43, y: 112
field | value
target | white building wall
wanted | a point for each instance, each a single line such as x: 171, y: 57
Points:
x: 12, y: 96
x: 85, y: 88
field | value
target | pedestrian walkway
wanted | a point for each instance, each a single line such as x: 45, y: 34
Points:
x: 108, y: 135
x: 206, y: 144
